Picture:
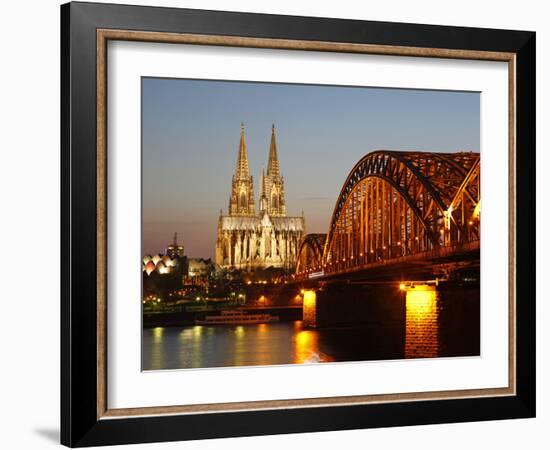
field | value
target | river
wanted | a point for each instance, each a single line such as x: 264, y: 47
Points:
x: 432, y: 326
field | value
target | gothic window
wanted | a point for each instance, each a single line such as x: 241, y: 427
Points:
x: 274, y: 201
x: 243, y: 200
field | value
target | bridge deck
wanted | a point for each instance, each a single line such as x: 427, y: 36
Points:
x: 419, y: 264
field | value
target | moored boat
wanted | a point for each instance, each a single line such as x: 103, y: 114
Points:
x: 237, y: 317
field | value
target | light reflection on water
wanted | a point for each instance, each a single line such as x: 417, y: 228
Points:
x: 432, y: 324
x: 239, y: 345
x: 306, y: 348
x: 422, y: 323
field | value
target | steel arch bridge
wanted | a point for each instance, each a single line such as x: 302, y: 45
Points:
x: 395, y: 204
x: 310, y: 253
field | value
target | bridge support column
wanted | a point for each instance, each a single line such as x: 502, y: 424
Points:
x: 309, y: 309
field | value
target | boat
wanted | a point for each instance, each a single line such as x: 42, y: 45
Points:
x: 237, y: 317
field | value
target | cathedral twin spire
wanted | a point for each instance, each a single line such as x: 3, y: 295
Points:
x: 272, y: 193
x: 273, y: 159
x: 241, y: 202
x: 242, y: 170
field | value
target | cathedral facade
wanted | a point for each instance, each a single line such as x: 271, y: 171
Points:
x: 247, y: 239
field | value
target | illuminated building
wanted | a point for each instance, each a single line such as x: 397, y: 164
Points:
x: 174, y: 249
x: 247, y: 240
x: 198, y: 267
x: 162, y: 264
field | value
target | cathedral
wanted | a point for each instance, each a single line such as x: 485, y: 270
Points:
x: 250, y: 240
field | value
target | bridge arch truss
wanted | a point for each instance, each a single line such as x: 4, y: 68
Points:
x: 310, y: 254
x: 394, y: 204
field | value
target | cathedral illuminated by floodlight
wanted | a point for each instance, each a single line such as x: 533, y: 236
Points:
x: 248, y: 240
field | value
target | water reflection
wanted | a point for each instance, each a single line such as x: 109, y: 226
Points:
x: 240, y: 347
x: 157, y: 335
x: 306, y: 347
x: 189, y: 339
x: 262, y: 345
x: 422, y: 322
x: 157, y: 351
x: 425, y: 324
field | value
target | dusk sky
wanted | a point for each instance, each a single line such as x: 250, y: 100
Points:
x: 191, y: 131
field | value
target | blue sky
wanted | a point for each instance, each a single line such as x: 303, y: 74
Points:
x: 191, y: 132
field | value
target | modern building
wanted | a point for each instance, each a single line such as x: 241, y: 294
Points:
x: 174, y: 249
x: 162, y: 264
x: 248, y: 240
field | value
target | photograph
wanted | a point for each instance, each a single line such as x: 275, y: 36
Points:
x: 303, y: 224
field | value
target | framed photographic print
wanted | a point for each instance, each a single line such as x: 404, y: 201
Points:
x: 277, y: 224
